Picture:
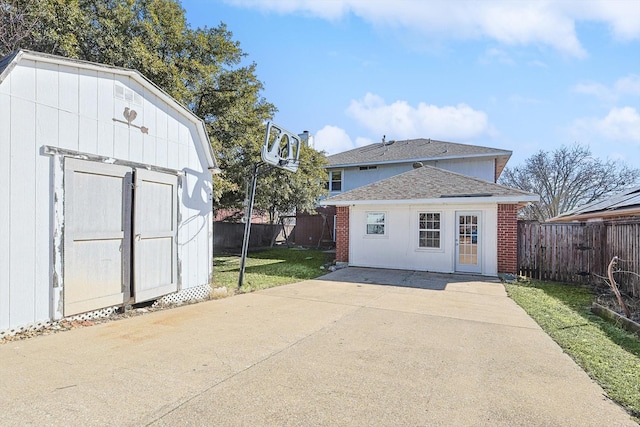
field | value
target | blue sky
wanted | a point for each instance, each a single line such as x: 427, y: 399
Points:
x: 518, y: 75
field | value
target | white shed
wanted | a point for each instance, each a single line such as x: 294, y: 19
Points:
x: 106, y: 191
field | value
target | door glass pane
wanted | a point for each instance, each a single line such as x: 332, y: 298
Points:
x: 468, y: 240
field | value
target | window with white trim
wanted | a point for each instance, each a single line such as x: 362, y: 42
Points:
x: 429, y: 230
x: 375, y: 223
x: 335, y: 181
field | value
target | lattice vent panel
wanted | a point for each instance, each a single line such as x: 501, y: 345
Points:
x: 190, y: 294
x: 31, y: 327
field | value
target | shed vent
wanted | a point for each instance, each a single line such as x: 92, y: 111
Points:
x: 126, y: 94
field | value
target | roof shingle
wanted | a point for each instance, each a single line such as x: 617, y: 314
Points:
x: 411, y: 150
x: 429, y: 182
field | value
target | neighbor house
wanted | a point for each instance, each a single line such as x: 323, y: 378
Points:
x: 425, y: 205
x: 623, y: 205
x: 106, y: 195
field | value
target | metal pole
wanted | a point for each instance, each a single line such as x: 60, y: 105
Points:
x: 247, y: 225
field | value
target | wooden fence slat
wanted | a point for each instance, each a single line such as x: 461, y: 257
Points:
x: 580, y: 252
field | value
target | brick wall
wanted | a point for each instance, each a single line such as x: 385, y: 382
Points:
x: 508, y: 239
x: 342, y: 234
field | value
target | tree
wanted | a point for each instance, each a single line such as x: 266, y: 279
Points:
x: 567, y: 178
x: 202, y: 68
x: 285, y: 192
x: 49, y: 26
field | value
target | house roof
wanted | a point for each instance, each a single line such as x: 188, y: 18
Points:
x: 413, y: 150
x: 10, y: 61
x: 428, y: 184
x: 626, y: 204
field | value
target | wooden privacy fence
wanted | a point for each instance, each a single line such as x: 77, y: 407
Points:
x: 228, y: 236
x: 580, y: 252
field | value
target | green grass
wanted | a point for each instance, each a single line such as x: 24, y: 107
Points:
x: 610, y: 355
x: 268, y: 268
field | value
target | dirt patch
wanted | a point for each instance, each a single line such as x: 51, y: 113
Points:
x: 606, y: 297
x: 137, y: 310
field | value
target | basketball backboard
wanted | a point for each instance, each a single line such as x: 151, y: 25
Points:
x: 281, y: 148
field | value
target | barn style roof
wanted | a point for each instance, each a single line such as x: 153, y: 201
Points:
x: 428, y: 184
x: 10, y: 61
x: 625, y: 204
x: 414, y: 150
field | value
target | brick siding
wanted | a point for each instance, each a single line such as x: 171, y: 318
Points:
x: 342, y: 233
x: 508, y: 239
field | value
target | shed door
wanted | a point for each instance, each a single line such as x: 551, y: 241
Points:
x: 155, y: 230
x: 96, y: 235
x: 468, y: 242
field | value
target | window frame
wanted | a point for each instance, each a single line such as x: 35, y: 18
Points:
x: 331, y: 181
x: 439, y: 230
x: 384, y: 224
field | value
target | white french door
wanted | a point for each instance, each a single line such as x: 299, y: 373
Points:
x: 468, y: 242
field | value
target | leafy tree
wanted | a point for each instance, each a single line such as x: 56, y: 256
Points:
x: 202, y: 68
x: 567, y: 178
x: 41, y: 25
x: 284, y: 192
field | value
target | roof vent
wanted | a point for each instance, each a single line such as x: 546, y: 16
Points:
x: 417, y: 165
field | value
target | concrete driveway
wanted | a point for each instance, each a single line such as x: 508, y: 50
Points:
x: 355, y: 347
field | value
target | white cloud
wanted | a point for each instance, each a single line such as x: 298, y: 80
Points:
x: 595, y: 89
x: 331, y: 10
x: 498, y: 55
x: 629, y: 85
x: 399, y: 120
x: 620, y: 15
x: 549, y: 23
x: 332, y: 139
x: 625, y: 86
x: 619, y: 125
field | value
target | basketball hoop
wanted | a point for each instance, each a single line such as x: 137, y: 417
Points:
x: 281, y: 148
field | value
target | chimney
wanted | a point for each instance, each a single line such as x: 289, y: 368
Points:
x: 306, y: 138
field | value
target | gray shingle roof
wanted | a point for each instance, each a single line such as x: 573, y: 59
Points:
x: 428, y: 183
x: 5, y: 62
x: 410, y: 150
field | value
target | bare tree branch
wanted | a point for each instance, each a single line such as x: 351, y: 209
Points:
x: 567, y: 178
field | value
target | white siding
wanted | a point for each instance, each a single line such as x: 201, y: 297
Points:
x: 22, y: 199
x: 64, y: 106
x: 68, y: 89
x: 5, y: 208
x: 68, y: 123
x: 88, y: 114
x: 47, y: 85
x: 398, y: 248
x: 47, y: 124
x: 105, y: 114
x: 88, y: 93
x: 42, y: 198
x: 23, y: 81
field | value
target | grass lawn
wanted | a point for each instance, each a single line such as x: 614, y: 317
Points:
x: 610, y: 355
x: 268, y: 268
